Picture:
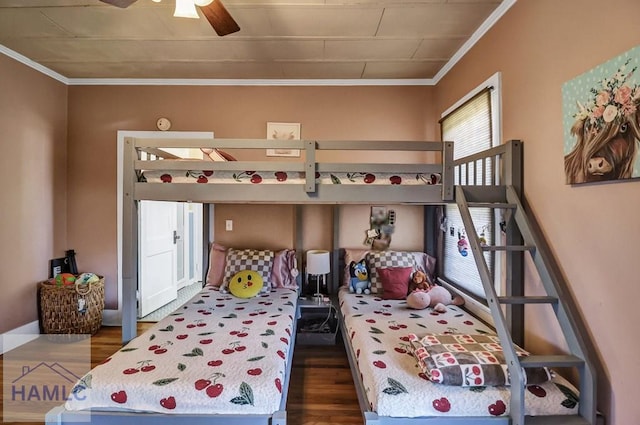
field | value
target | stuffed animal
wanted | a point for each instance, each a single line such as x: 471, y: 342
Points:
x: 359, y: 278
x: 419, y: 280
x: 436, y: 297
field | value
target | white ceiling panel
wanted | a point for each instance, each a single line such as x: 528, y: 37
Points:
x: 401, y: 69
x: 377, y: 49
x: 320, y: 70
x: 434, y: 20
x: 278, y: 39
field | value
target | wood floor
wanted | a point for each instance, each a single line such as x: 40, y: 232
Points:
x: 321, y: 390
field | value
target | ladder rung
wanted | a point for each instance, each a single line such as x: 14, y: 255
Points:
x: 556, y: 420
x: 567, y: 360
x: 544, y: 299
x: 509, y: 248
x: 502, y: 205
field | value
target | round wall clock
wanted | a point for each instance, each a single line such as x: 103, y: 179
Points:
x: 163, y: 124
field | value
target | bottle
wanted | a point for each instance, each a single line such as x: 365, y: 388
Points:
x: 71, y: 260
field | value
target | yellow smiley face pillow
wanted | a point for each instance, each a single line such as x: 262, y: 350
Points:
x: 245, y: 284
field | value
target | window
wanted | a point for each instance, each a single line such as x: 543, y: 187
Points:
x: 470, y: 125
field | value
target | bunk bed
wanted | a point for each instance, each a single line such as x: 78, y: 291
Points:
x: 312, y: 179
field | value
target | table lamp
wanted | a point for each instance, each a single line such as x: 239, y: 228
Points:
x: 318, y: 265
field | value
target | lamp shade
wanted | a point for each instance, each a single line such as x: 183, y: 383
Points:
x: 318, y: 262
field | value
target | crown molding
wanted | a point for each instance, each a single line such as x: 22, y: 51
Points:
x: 248, y: 82
x: 475, y: 37
x: 31, y: 64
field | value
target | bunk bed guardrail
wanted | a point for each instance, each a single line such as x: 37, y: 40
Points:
x: 310, y: 164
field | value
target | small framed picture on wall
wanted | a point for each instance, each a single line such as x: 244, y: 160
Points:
x: 283, y: 131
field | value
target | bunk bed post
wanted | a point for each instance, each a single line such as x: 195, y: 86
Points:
x: 430, y: 241
x: 512, y: 163
x: 447, y: 171
x: 206, y: 239
x: 298, y: 245
x: 129, y: 244
x: 335, y: 251
x: 310, y: 166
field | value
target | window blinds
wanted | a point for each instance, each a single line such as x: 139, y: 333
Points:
x: 469, y: 127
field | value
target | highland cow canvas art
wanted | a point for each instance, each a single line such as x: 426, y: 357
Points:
x: 601, y: 119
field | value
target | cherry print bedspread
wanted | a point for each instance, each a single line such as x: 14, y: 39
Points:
x: 215, y: 354
x: 378, y: 332
x: 288, y: 177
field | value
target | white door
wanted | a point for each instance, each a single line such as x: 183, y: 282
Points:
x: 189, y: 243
x: 157, y: 259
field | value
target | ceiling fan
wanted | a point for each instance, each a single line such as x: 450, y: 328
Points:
x: 215, y: 12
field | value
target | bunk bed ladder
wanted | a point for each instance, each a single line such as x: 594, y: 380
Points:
x: 578, y: 356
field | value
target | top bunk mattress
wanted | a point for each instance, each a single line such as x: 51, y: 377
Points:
x: 378, y: 331
x: 287, y: 177
x: 215, y: 354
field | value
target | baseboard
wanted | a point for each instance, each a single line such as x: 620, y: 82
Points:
x: 19, y: 336
x: 111, y: 318
x: 25, y: 333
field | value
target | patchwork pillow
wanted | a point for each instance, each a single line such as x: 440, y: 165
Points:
x: 468, y: 360
x: 260, y: 261
x: 395, y: 282
x: 384, y: 259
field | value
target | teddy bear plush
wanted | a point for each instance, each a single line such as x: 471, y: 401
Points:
x: 419, y: 280
x: 359, y: 278
x: 424, y: 294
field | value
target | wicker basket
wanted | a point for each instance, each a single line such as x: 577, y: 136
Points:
x: 74, y: 309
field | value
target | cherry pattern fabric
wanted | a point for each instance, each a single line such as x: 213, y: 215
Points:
x: 285, y: 177
x: 468, y: 360
x: 378, y: 333
x: 216, y: 354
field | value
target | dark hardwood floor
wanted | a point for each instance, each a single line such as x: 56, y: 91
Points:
x: 321, y: 390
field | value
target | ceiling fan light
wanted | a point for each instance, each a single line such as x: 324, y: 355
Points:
x: 185, y: 9
x: 202, y: 3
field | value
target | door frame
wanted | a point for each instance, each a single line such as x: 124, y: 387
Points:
x: 110, y: 316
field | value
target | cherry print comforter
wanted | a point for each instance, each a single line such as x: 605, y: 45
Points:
x: 215, y: 354
x: 289, y: 177
x: 395, y: 386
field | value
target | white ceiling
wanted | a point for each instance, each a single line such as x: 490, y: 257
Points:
x: 362, y: 40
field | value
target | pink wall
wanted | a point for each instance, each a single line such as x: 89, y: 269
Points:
x: 33, y: 226
x: 593, y: 230
x: 97, y: 113
x: 538, y: 45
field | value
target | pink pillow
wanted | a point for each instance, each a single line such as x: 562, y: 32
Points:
x: 285, y: 270
x: 217, y: 260
x: 395, y: 282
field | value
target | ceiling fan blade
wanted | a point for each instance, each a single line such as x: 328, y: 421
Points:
x: 119, y: 3
x: 219, y: 18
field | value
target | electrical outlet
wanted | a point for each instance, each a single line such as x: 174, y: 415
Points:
x: 228, y: 225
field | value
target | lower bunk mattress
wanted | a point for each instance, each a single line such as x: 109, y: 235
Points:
x: 217, y: 354
x: 394, y: 385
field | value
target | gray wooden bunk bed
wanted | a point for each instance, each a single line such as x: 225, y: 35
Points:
x: 152, y: 172
x: 305, y: 183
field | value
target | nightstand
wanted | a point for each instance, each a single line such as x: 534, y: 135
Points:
x: 317, y: 322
